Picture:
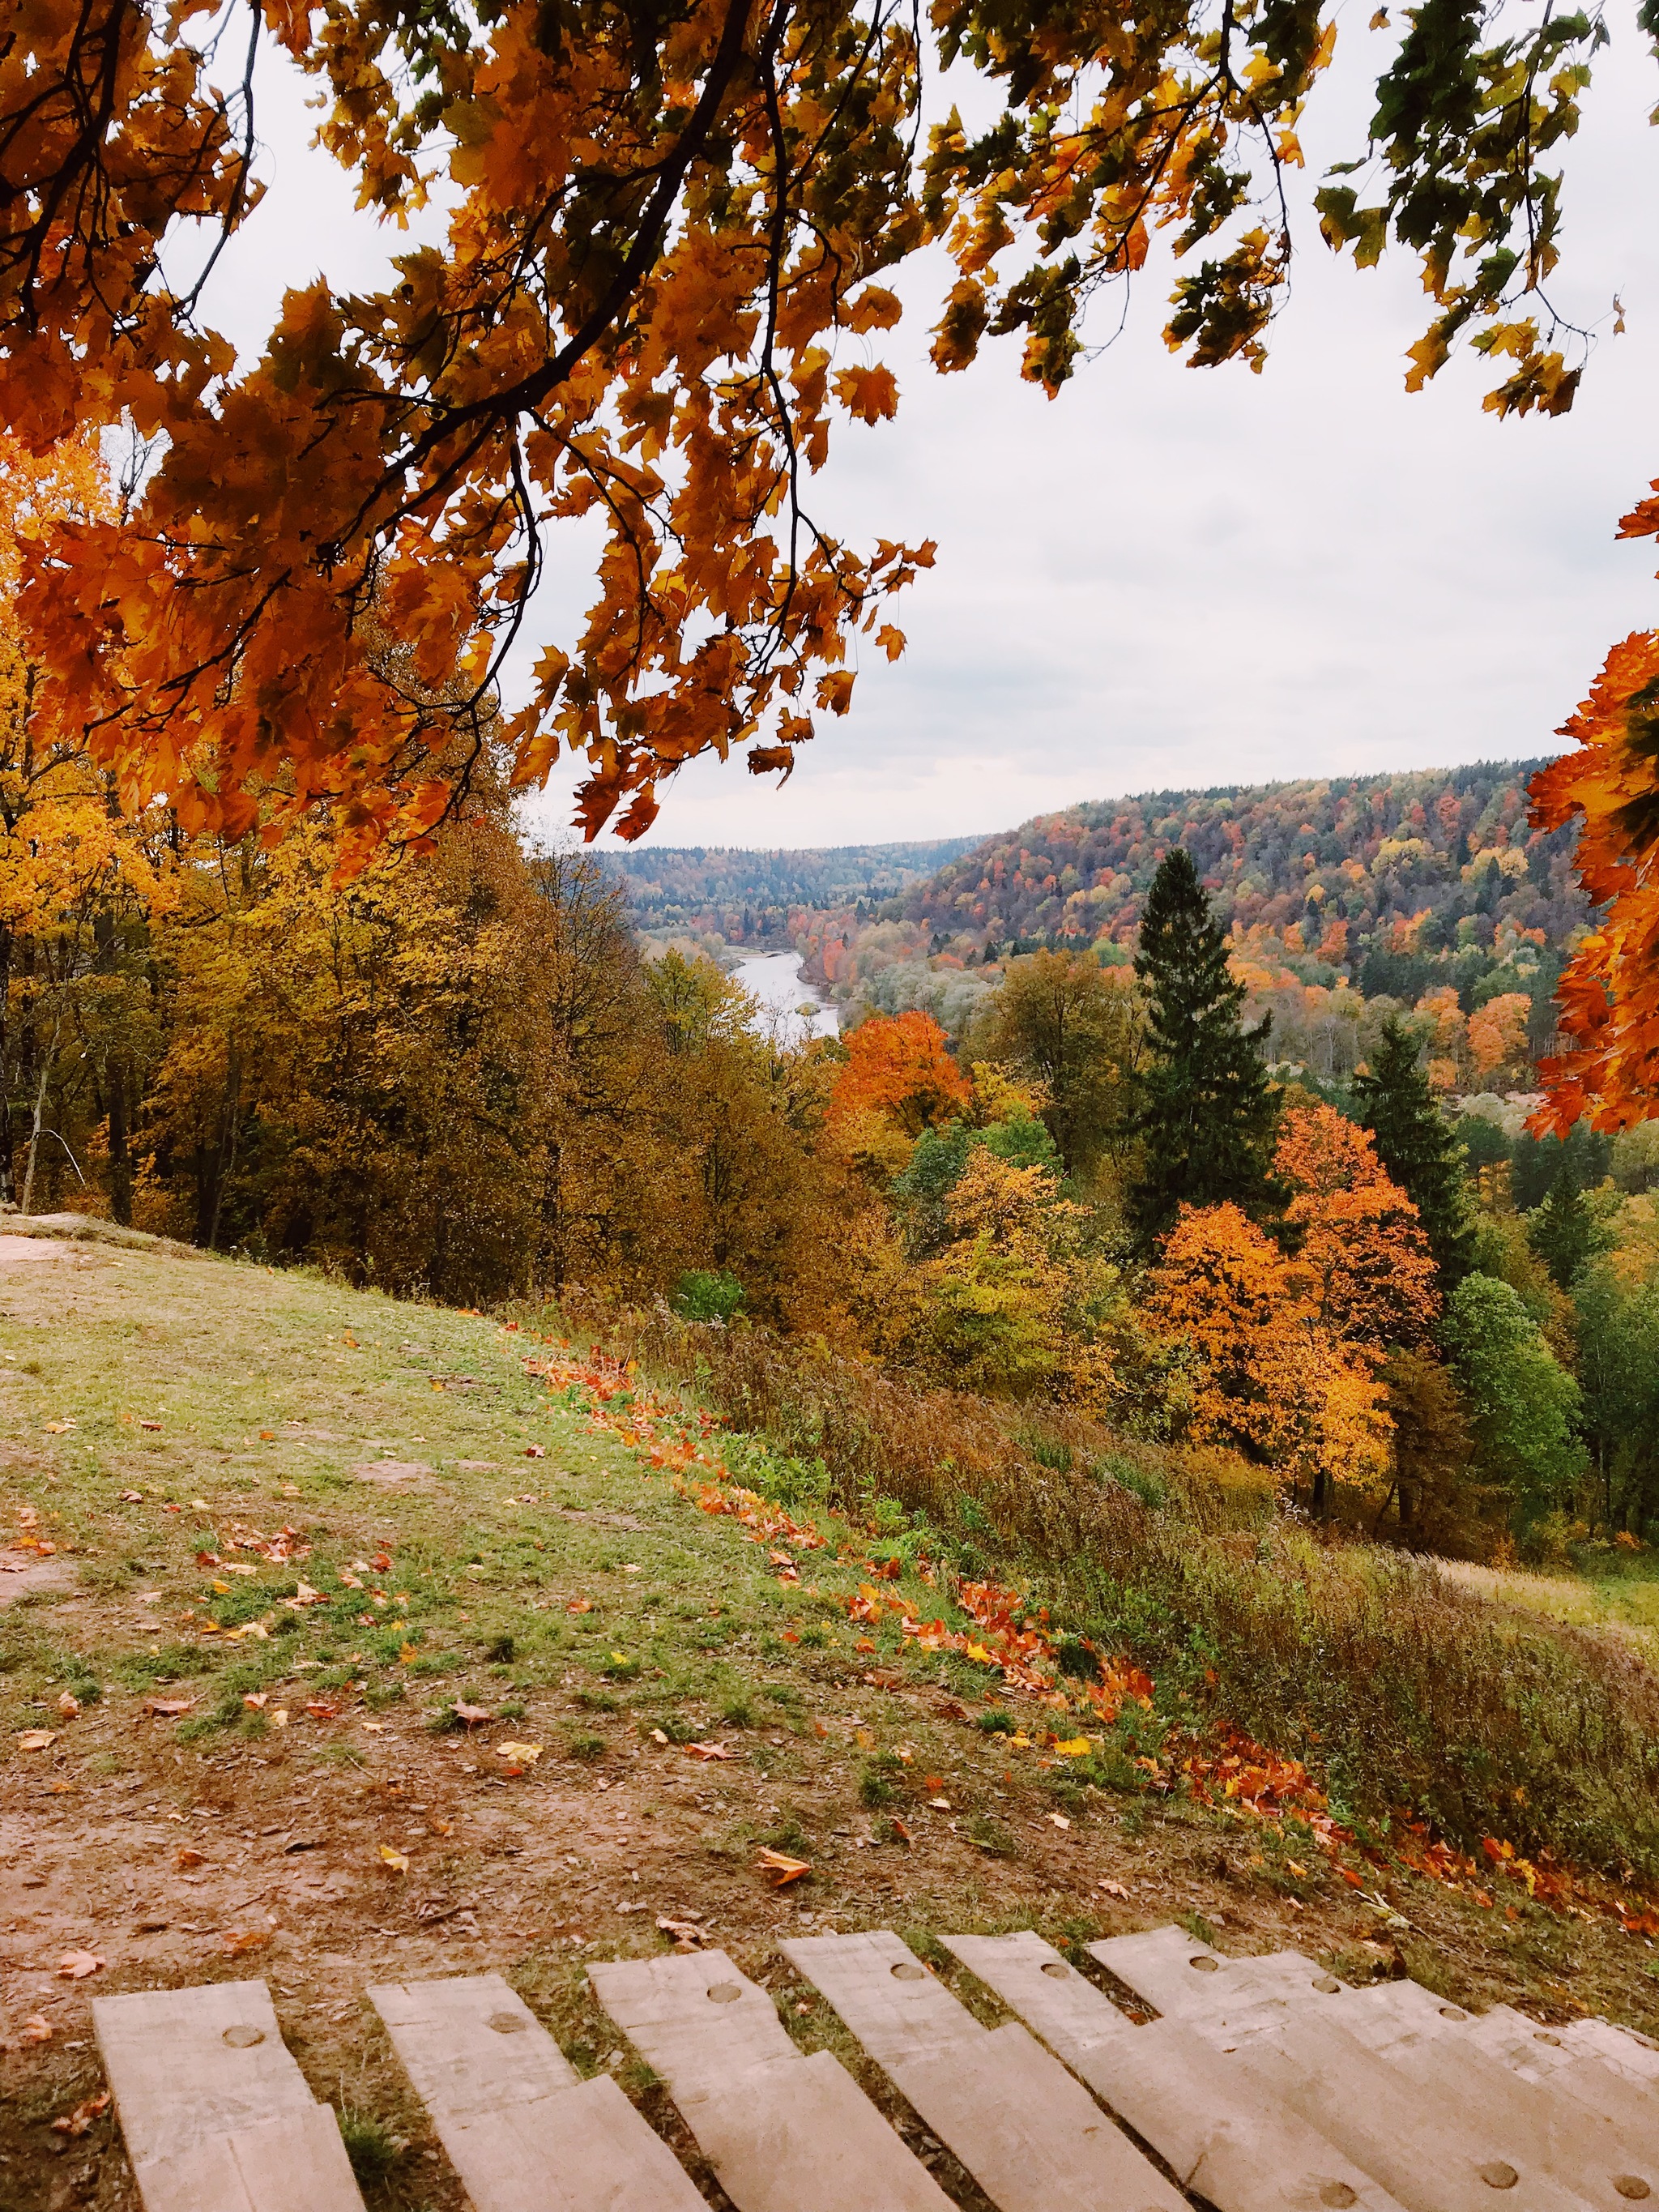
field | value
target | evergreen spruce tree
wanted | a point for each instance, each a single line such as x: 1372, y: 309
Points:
x: 1208, y: 1116
x: 1563, y: 1232
x: 1416, y: 1145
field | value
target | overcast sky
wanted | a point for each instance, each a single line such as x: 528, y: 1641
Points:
x: 1169, y: 578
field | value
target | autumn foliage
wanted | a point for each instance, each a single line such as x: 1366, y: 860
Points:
x: 1609, y: 994
x: 901, y: 1068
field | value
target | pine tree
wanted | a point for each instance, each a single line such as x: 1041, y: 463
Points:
x: 1208, y: 1118
x: 1563, y: 1232
x: 1418, y: 1148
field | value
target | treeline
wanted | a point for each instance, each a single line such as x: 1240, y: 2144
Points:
x: 749, y: 897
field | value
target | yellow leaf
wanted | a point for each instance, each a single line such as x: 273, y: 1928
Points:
x: 398, y: 1861
x: 1075, y: 1747
x: 37, y: 1740
x: 519, y: 1754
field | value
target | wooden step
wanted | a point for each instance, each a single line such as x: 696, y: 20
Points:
x: 1432, y: 2149
x: 216, y: 2115
x: 1636, y: 2056
x: 1226, y: 2140
x: 523, y: 2131
x: 1030, y: 2136
x: 1226, y: 2000
x: 784, y: 2132
x: 1589, y: 2154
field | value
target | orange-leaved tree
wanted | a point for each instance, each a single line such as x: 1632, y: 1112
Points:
x: 899, y: 1066
x: 665, y: 256
x: 1370, y: 1273
x: 1268, y: 1372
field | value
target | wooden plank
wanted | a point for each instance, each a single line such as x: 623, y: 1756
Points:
x: 295, y: 2164
x: 1031, y: 2136
x: 185, y: 2065
x: 1226, y: 2140
x: 470, y: 2041
x: 783, y: 2132
x: 1432, y: 2150
x: 524, y: 2132
x: 1637, y: 2055
x: 1222, y: 1998
x: 1589, y: 2154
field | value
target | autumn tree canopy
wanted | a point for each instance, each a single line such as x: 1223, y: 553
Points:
x: 665, y: 254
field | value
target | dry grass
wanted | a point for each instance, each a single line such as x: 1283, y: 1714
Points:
x: 1404, y: 1689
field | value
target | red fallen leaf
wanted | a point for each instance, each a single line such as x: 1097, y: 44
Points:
x: 382, y: 1561
x: 782, y: 1868
x: 187, y: 1858
x: 321, y: 1710
x: 75, y: 2125
x: 168, y: 1708
x: 865, y: 1643
x: 901, y: 1833
x: 1353, y: 1880
x: 579, y: 1605
x: 37, y: 2029
x: 75, y: 1965
x: 534, y: 1451
x: 150, y: 1425
x: 788, y: 1636
x: 707, y: 1751
x: 208, y: 1559
x: 237, y: 1940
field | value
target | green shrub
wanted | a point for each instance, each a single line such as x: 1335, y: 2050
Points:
x: 702, y: 1295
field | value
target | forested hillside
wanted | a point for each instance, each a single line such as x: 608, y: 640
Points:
x: 1344, y: 899
x: 748, y: 897
x: 1340, y: 866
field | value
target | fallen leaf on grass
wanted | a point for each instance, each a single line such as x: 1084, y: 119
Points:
x: 940, y: 1804
x: 279, y: 1717
x: 472, y: 1715
x: 37, y: 2029
x: 375, y: 1728
x: 382, y: 1561
x: 707, y: 1751
x: 75, y: 2125
x: 188, y: 1859
x: 256, y: 1700
x: 534, y: 1451
x: 238, y: 1941
x: 900, y: 1833
x: 397, y: 1861
x: 168, y: 1708
x: 658, y: 1736
x: 321, y: 1710
x: 1354, y: 1880
x: 132, y: 1498
x: 782, y: 1868
x: 1059, y: 1819
x: 150, y: 1425
x: 579, y: 1605
x: 518, y: 1756
x: 1112, y: 1888
x: 442, y: 1827
x: 67, y: 1705
x: 59, y: 1428
x: 687, y: 1936
x: 75, y: 1965
x: 1075, y: 1747
x: 37, y: 1740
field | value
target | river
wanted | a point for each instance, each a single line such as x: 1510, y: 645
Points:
x: 775, y: 979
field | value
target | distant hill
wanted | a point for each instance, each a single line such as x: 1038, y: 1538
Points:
x: 1342, y: 894
x: 749, y: 897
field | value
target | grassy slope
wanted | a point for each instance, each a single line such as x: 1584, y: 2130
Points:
x: 576, y: 1857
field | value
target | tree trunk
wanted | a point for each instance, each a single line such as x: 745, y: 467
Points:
x: 40, y: 1117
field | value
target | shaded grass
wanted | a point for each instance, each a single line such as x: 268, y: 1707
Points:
x: 1404, y: 1691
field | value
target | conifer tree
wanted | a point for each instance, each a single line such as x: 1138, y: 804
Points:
x: 1418, y: 1149
x: 1563, y: 1232
x: 1208, y: 1118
